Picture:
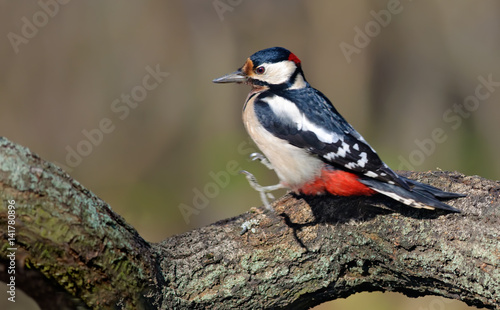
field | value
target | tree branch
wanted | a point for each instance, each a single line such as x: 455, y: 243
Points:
x: 313, y: 249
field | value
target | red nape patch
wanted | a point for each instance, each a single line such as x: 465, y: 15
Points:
x: 336, y: 182
x: 294, y: 58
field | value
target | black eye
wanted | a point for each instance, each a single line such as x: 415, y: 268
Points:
x: 260, y: 70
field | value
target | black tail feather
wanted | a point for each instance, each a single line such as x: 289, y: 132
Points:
x: 420, y: 196
x: 434, y: 191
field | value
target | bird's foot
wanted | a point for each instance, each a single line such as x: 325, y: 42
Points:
x: 264, y: 191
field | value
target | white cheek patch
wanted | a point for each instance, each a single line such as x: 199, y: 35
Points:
x: 277, y: 73
x: 287, y: 110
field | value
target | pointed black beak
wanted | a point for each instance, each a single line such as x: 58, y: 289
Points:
x: 236, y: 77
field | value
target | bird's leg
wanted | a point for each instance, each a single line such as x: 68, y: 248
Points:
x: 262, y: 159
x: 263, y: 190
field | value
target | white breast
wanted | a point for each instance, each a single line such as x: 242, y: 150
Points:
x: 294, y: 166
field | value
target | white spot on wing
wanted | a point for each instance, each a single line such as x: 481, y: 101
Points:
x: 356, y: 147
x: 371, y: 174
x: 364, y: 159
x: 342, y: 151
x: 360, y: 163
x: 331, y: 156
x: 351, y: 165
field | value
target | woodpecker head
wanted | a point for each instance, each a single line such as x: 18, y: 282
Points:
x: 275, y: 67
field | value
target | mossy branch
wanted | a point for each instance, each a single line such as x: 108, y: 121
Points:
x: 310, y: 251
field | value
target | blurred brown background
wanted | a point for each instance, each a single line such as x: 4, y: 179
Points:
x: 397, y: 70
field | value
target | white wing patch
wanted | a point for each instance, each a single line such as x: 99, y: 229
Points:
x: 286, y: 109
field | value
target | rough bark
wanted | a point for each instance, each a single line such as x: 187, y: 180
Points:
x: 313, y: 249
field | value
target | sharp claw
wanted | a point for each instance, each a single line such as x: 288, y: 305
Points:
x: 255, y: 156
x: 262, y: 159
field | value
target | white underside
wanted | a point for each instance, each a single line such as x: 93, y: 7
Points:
x: 294, y: 166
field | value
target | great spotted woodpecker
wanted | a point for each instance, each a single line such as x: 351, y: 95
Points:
x: 310, y: 146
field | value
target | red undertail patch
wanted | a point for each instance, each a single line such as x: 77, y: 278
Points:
x: 336, y: 182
